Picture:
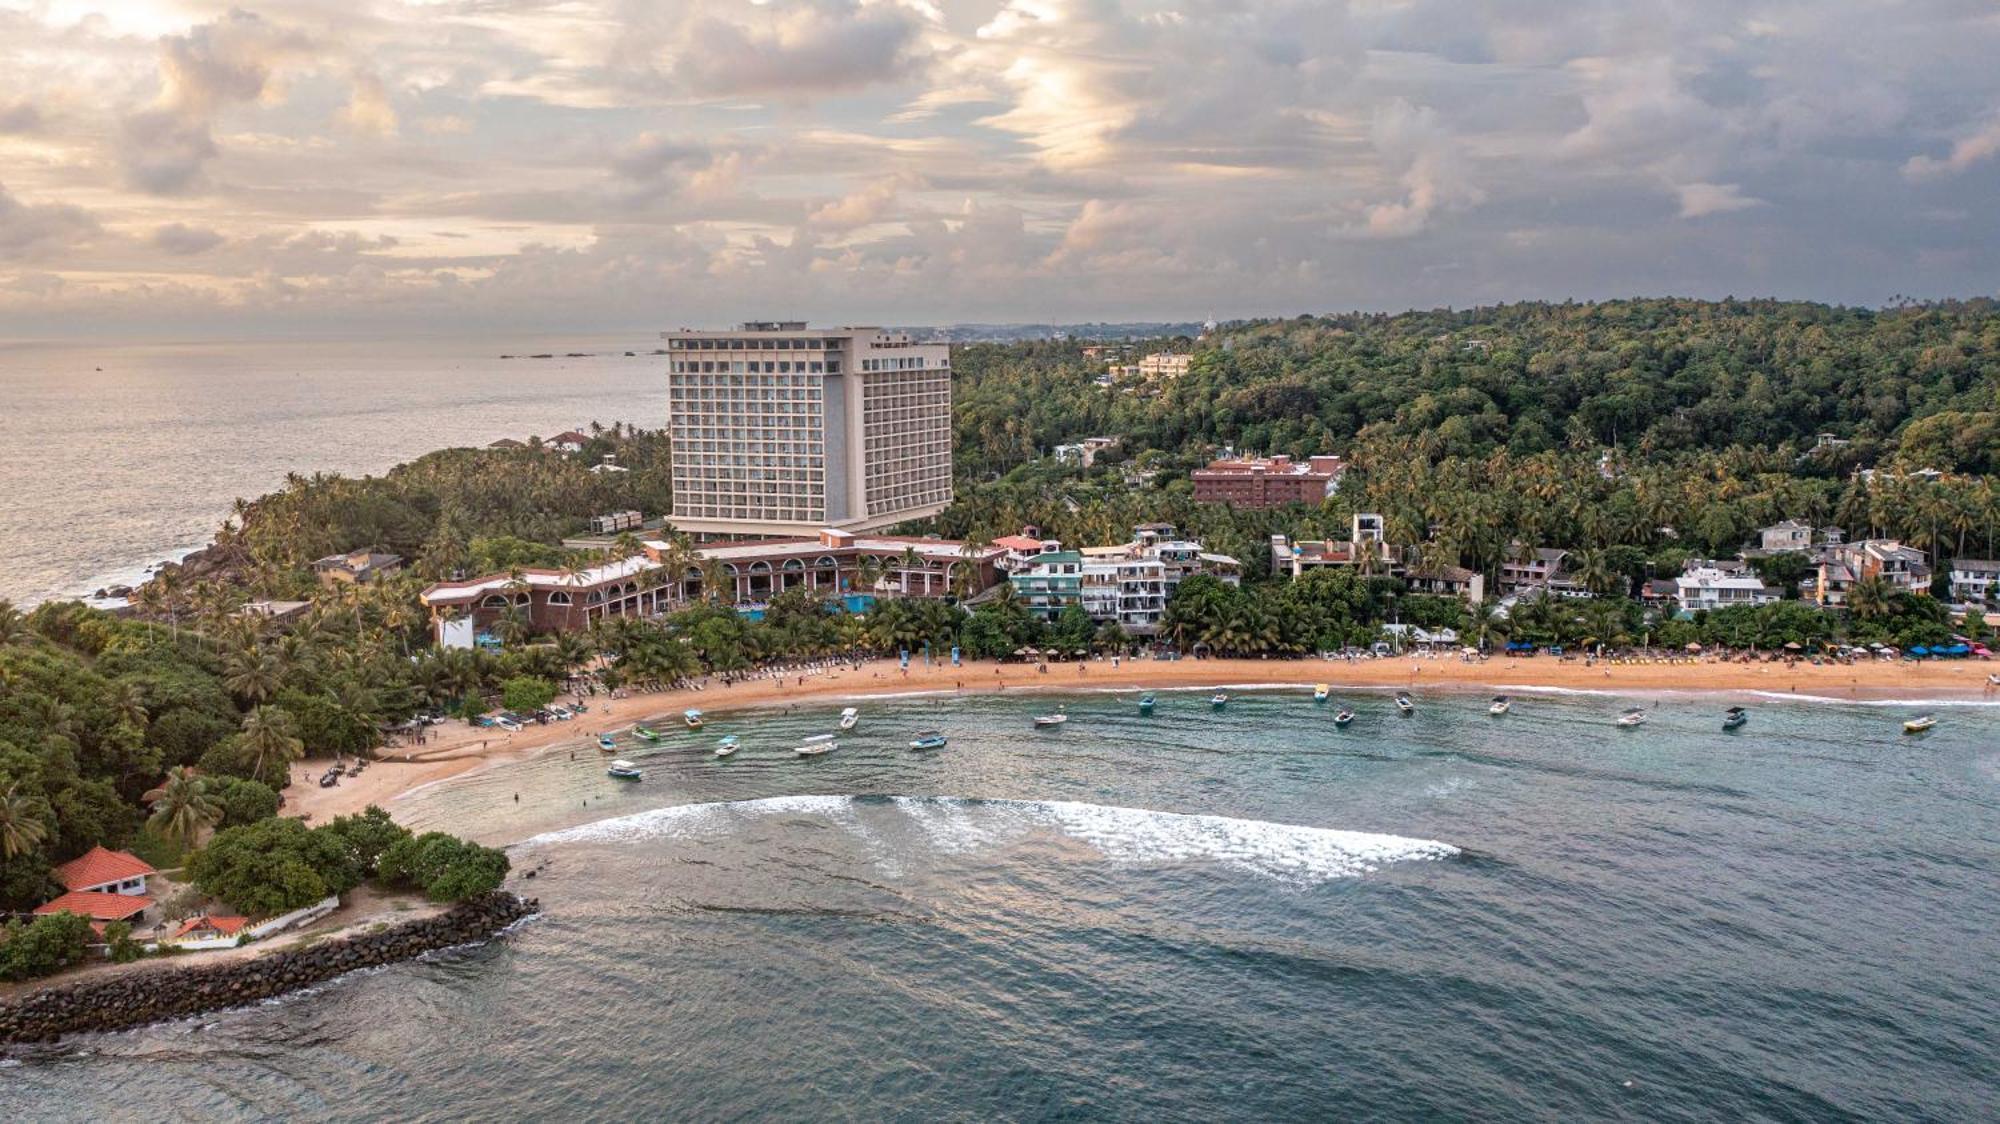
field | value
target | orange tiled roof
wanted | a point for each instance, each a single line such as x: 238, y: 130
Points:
x: 99, y: 867
x: 97, y: 906
x: 227, y: 926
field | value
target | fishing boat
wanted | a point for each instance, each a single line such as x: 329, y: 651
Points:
x: 1734, y: 718
x: 1320, y: 692
x: 647, y: 732
x: 1501, y: 705
x: 606, y: 742
x: 727, y: 746
x: 1146, y: 702
x: 928, y: 739
x: 1218, y: 700
x: 693, y: 718
x: 1632, y: 717
x: 849, y: 717
x: 1919, y: 725
x: 1056, y: 719
x: 817, y: 745
x: 1404, y: 704
x: 624, y: 771
x: 1344, y: 717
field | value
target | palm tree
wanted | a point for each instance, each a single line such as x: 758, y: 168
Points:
x: 21, y: 830
x: 182, y: 806
x: 129, y: 701
x: 1868, y: 598
x: 253, y: 676
x: 269, y: 734
x: 13, y: 625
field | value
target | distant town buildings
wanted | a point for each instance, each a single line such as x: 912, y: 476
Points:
x: 1258, y: 482
x: 1792, y: 536
x: 356, y: 567
x: 1975, y: 579
x: 779, y: 429
x: 1905, y: 569
x: 1368, y: 551
x: 1540, y: 570
x: 1164, y: 365
x: 1129, y: 584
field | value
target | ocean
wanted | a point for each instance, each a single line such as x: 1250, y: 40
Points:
x: 116, y: 457
x: 1195, y: 916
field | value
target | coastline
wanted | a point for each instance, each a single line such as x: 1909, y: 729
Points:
x: 462, y: 750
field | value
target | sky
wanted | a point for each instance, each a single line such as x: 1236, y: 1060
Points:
x: 178, y: 167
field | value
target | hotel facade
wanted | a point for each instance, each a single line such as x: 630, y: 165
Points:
x: 782, y: 430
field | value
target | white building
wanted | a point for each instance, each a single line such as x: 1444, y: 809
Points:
x: 1710, y: 587
x: 1975, y: 579
x: 1164, y: 365
x: 1130, y: 583
x: 1790, y: 535
x: 779, y: 429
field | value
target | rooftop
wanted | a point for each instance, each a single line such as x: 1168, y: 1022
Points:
x: 100, y: 867
x: 97, y: 906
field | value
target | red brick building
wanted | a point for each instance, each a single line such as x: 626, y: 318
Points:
x: 1268, y: 481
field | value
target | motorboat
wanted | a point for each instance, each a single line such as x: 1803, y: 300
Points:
x: 1320, y: 692
x: 849, y: 717
x: 1919, y: 725
x: 1501, y: 705
x: 606, y: 742
x: 1734, y: 718
x: 1344, y: 717
x: 928, y: 739
x: 1146, y: 703
x: 647, y: 733
x: 1632, y: 717
x: 1056, y: 719
x: 1404, y: 704
x: 693, y: 719
x: 624, y: 771
x: 817, y: 745
x: 727, y: 746
x: 1218, y: 700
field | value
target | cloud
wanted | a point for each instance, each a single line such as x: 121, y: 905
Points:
x: 1698, y: 199
x: 19, y: 118
x: 868, y: 204
x: 1967, y: 151
x: 368, y: 109
x: 1433, y: 176
x: 39, y: 231
x: 796, y: 47
x: 181, y: 240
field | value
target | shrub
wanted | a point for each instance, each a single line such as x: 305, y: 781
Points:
x: 124, y: 950
x: 365, y: 836
x: 526, y: 694
x: 245, y: 801
x: 445, y: 867
x: 272, y: 866
x: 50, y: 943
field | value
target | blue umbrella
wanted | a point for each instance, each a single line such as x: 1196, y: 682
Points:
x: 1920, y: 650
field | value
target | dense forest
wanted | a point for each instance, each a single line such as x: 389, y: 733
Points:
x: 1637, y: 433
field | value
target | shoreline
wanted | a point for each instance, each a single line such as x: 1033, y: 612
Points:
x: 463, y: 750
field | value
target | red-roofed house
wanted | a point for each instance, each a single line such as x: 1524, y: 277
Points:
x: 106, y: 871
x: 98, y: 906
x: 210, y: 928
x: 569, y: 442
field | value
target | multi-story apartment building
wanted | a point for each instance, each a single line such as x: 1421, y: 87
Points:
x: 1366, y: 548
x: 1543, y: 569
x: 1904, y: 568
x: 1130, y: 583
x: 1975, y: 579
x: 1707, y: 586
x: 1268, y: 481
x: 1165, y: 365
x: 779, y: 429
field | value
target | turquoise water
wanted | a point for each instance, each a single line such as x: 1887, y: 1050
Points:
x: 1247, y: 914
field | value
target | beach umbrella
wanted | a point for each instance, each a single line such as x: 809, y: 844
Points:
x: 1794, y: 645
x: 1693, y: 647
x: 1920, y: 650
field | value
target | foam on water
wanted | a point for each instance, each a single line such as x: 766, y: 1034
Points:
x: 1285, y: 852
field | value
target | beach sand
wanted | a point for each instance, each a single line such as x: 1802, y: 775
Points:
x: 456, y: 749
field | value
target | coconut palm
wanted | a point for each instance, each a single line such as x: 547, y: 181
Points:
x: 21, y: 830
x: 129, y: 701
x: 182, y: 805
x: 13, y: 626
x: 270, y: 735
x: 1869, y: 598
x: 253, y: 676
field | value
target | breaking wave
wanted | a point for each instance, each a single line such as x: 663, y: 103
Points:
x: 1283, y: 852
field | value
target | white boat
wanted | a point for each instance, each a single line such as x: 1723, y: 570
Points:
x: 1320, y: 692
x: 1343, y: 718
x: 1501, y: 705
x: 928, y: 739
x: 849, y: 717
x: 1919, y: 725
x: 693, y: 718
x: 1404, y: 704
x: 727, y: 746
x: 1218, y: 700
x: 1056, y: 719
x: 624, y: 771
x: 1632, y: 717
x: 817, y: 745
x: 606, y: 742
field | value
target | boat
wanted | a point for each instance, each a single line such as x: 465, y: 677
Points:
x: 693, y: 718
x: 1146, y: 702
x: 1632, y: 717
x: 1734, y: 718
x: 1344, y: 717
x: 1919, y: 725
x: 1218, y: 700
x: 1056, y: 719
x: 624, y: 771
x: 1501, y: 705
x: 928, y: 739
x: 1404, y: 704
x: 647, y: 732
x: 727, y: 746
x: 817, y: 745
x: 606, y: 742
x: 1320, y: 692
x: 849, y: 717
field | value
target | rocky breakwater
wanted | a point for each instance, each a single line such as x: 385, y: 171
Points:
x: 123, y: 1000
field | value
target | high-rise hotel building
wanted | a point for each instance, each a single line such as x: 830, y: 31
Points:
x: 778, y: 429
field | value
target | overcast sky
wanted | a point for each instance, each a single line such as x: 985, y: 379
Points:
x: 178, y: 166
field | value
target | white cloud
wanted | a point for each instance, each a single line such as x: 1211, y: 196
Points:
x: 1698, y: 199
x: 30, y: 232
x: 1975, y: 148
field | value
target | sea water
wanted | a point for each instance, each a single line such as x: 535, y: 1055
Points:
x: 1246, y: 914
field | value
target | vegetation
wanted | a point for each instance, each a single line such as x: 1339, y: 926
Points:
x: 47, y: 944
x: 277, y: 865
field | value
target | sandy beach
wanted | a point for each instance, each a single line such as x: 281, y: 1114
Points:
x: 457, y: 749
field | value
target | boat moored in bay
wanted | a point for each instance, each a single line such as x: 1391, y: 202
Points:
x: 1919, y: 724
x: 849, y: 716
x: 817, y: 745
x: 1734, y: 718
x: 607, y: 743
x: 727, y: 746
x: 1344, y: 717
x: 1632, y: 717
x: 1404, y: 704
x: 625, y: 771
x: 1501, y: 705
x: 693, y: 718
x: 928, y: 739
x: 1146, y: 702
